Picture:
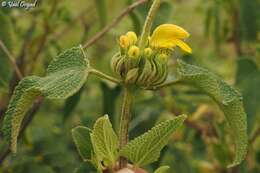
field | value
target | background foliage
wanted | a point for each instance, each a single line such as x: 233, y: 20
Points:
x: 224, y: 38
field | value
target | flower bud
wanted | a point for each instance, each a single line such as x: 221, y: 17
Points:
x: 120, y: 67
x: 117, y: 64
x: 132, y: 37
x: 131, y: 76
x: 153, y: 73
x: 124, y: 41
x: 161, y: 66
x: 148, y: 52
x: 162, y: 75
x: 146, y: 72
x: 163, y: 57
x: 114, y: 61
x: 134, y: 52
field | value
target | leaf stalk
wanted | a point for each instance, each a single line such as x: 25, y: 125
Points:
x: 104, y: 76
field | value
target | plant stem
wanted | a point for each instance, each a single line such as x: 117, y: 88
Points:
x: 148, y: 23
x: 124, y: 123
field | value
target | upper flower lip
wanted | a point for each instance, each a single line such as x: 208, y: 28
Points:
x: 171, y: 31
x: 169, y: 36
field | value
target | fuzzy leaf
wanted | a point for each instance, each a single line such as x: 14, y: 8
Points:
x: 81, y: 137
x: 228, y: 99
x: 65, y: 76
x: 162, y: 169
x: 22, y: 99
x: 105, y: 141
x: 146, y: 148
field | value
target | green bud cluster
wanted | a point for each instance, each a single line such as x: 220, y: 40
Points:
x: 144, y: 68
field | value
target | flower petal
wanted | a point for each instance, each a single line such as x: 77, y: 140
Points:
x: 184, y: 46
x: 166, y: 33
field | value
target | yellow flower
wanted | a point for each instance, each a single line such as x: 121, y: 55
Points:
x: 132, y: 37
x: 124, y: 41
x: 163, y: 57
x: 169, y: 36
x: 134, y: 52
x: 148, y: 52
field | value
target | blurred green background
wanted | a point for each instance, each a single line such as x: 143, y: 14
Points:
x: 225, y: 37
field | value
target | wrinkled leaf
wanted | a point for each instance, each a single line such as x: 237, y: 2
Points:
x: 23, y: 97
x: 81, y: 137
x: 146, y: 148
x: 228, y: 99
x: 65, y: 76
x: 105, y: 141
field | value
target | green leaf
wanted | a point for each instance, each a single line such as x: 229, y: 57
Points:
x: 96, y: 162
x: 23, y: 97
x: 105, y: 141
x: 6, y: 36
x: 146, y: 148
x: 228, y: 99
x: 162, y: 169
x: 65, y: 76
x: 81, y: 137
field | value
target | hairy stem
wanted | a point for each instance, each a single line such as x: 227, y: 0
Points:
x: 124, y: 123
x: 148, y: 23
